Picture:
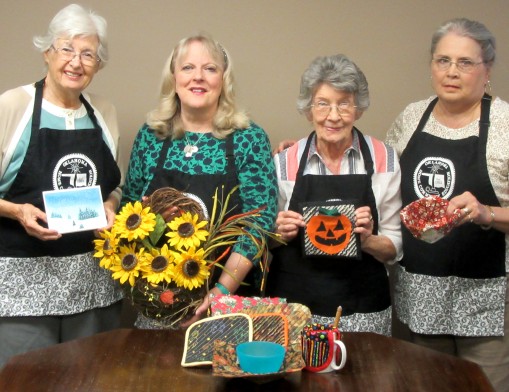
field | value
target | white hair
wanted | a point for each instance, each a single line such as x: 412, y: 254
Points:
x: 73, y: 21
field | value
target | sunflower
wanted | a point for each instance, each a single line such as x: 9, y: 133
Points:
x: 191, y: 270
x: 130, y: 264
x: 185, y: 231
x: 134, y: 221
x: 106, y: 248
x: 159, y: 265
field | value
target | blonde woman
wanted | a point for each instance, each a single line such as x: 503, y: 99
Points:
x: 197, y: 141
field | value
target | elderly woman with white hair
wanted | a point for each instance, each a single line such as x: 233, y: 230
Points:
x: 337, y: 165
x: 56, y: 137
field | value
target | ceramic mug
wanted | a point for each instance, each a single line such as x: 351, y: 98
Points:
x: 322, y: 348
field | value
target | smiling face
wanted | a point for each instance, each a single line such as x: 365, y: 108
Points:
x: 198, y: 80
x: 451, y: 85
x: 333, y: 128
x: 66, y: 79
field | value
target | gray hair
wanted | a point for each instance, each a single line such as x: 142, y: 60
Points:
x: 339, y: 72
x: 471, y: 29
x: 73, y: 21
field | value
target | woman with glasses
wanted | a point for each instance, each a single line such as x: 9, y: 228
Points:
x: 56, y: 137
x: 453, y: 293
x: 337, y: 165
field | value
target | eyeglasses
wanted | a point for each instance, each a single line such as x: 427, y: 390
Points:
x: 68, y: 54
x: 463, y: 65
x: 323, y: 108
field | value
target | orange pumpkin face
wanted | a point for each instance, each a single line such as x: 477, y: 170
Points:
x: 330, y: 234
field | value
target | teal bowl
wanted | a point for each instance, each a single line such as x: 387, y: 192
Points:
x: 260, y: 357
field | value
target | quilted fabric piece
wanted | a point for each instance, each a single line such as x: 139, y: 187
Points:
x: 297, y: 315
x: 224, y: 363
x: 225, y: 304
x: 427, y: 220
x: 270, y: 327
x: 200, y: 336
x: 329, y: 230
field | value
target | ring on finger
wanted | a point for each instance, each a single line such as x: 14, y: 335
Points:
x: 466, y: 210
x: 371, y: 218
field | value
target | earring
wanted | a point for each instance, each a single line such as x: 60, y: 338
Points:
x: 487, y: 88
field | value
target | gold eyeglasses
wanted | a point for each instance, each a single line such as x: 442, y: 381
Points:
x: 86, y: 57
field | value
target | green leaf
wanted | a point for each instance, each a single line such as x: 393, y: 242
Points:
x: 158, y: 231
x: 146, y: 243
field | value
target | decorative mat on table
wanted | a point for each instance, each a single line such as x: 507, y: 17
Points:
x: 225, y: 304
x: 200, y: 336
x: 297, y: 315
x: 270, y: 327
x: 224, y: 363
x: 237, y: 320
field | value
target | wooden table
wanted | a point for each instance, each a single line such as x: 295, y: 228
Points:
x: 143, y: 360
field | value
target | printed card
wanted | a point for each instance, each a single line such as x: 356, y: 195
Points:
x: 77, y: 209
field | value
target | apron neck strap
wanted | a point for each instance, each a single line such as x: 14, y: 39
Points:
x: 36, y: 115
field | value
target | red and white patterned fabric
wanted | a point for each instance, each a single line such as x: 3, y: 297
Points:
x: 427, y: 218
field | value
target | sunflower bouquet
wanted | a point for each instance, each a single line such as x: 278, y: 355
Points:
x: 163, y: 250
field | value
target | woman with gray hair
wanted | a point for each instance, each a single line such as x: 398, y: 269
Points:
x: 56, y: 137
x: 339, y: 205
x: 453, y: 294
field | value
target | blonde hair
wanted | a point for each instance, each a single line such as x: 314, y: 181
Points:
x: 165, y: 119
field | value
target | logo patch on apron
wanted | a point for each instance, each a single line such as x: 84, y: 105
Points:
x: 434, y: 176
x: 74, y: 171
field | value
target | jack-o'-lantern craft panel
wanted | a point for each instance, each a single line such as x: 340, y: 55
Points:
x: 329, y: 230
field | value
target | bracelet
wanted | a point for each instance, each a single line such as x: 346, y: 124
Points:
x: 490, y: 225
x: 222, y: 288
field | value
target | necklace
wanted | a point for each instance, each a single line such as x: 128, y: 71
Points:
x: 191, y: 148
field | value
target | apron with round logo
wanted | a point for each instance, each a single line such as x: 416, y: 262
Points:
x: 447, y: 168
x: 57, y: 159
x: 457, y: 284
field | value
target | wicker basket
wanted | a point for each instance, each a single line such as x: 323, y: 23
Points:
x: 164, y: 200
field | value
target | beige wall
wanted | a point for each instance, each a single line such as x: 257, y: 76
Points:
x: 271, y: 43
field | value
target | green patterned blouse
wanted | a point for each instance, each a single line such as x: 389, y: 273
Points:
x: 253, y: 161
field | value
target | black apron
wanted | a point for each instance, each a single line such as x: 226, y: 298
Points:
x: 204, y: 186
x: 322, y: 284
x: 434, y: 166
x: 57, y: 159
